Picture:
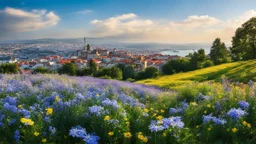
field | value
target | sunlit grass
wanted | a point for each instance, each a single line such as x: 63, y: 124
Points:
x: 237, y: 71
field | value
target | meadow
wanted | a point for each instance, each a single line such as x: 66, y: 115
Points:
x: 64, y: 109
x: 242, y: 71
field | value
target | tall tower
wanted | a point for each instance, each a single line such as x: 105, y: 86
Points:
x: 84, y: 43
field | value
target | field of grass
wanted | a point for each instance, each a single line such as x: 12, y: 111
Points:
x: 237, y: 71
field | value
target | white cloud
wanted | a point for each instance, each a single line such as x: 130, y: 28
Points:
x: 16, y: 20
x: 86, y: 11
x: 193, y: 29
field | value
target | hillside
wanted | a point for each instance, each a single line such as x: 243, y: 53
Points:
x: 238, y: 71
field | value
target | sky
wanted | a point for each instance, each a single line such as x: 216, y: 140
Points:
x: 160, y: 21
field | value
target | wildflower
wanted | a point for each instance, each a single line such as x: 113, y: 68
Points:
x: 197, y: 126
x: 127, y: 135
x: 142, y: 138
x: 146, y: 110
x: 151, y: 109
x: 209, y: 129
x: 249, y: 125
x: 77, y: 132
x: 96, y: 110
x: 234, y: 130
x: 208, y: 105
x: 244, y: 123
x: 49, y: 111
x: 17, y: 135
x: 228, y: 129
x: 127, y: 123
x: 52, y: 130
x: 108, y: 102
x: 154, y: 127
x: 106, y: 118
x: 244, y: 104
x: 110, y: 133
x: 218, y: 121
x: 19, y: 106
x: 91, y: 139
x: 193, y: 103
x: 164, y: 134
x: 154, y: 115
x: 27, y: 121
x: 57, y: 98
x: 36, y: 134
x: 44, y: 140
x: 159, y: 117
x: 236, y: 113
x: 162, y: 111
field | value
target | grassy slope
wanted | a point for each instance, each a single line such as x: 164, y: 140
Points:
x: 239, y: 71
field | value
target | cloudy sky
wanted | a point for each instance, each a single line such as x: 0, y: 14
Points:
x: 162, y: 21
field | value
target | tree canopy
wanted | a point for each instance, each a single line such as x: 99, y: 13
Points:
x: 219, y: 52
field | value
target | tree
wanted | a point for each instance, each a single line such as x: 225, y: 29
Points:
x: 42, y: 70
x: 244, y: 41
x: 113, y: 73
x: 219, y: 53
x: 11, y: 68
x: 93, y: 67
x: 88, y: 47
x: 176, y: 65
x: 150, y: 72
x: 197, y: 59
x: 68, y: 68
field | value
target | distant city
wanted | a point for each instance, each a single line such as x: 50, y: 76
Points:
x: 53, y: 53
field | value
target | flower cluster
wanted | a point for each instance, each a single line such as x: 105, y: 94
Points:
x: 236, y: 113
x: 165, y: 123
x: 215, y: 120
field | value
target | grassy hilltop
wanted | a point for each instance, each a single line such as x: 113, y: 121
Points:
x: 237, y: 71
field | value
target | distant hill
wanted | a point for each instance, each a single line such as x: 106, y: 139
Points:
x: 237, y: 71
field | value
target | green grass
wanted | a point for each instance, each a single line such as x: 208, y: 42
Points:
x: 238, y: 71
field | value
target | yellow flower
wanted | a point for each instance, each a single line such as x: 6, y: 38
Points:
x: 127, y: 135
x: 110, y: 133
x: 36, y: 134
x: 127, y: 123
x: 208, y: 105
x: 249, y: 125
x: 228, y: 130
x: 19, y: 106
x: 234, y: 130
x: 151, y: 109
x: 197, y: 126
x: 157, y: 111
x: 159, y: 117
x: 44, y: 140
x: 27, y: 121
x: 244, y: 123
x: 145, y: 110
x: 125, y: 118
x: 193, y: 103
x: 57, y: 98
x: 106, y: 118
x: 209, y: 129
x: 164, y: 134
x: 142, y: 138
x: 97, y: 95
x: 49, y: 111
x: 154, y: 114
x: 162, y: 111
x: 205, y: 112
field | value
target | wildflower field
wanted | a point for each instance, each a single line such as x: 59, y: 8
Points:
x: 63, y: 109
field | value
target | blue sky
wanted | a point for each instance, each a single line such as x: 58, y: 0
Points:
x: 141, y: 20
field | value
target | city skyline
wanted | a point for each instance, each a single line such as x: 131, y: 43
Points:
x: 127, y: 21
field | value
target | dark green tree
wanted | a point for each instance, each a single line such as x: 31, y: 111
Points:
x: 244, y: 41
x: 69, y: 69
x: 197, y: 59
x: 176, y: 65
x: 150, y: 72
x: 93, y: 67
x: 11, y: 68
x: 219, y: 53
x: 42, y: 70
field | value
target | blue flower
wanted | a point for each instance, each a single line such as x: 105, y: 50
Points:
x: 244, y: 104
x: 77, y: 132
x: 10, y: 100
x: 91, y: 139
x: 218, y: 121
x: 96, y: 110
x: 154, y: 127
x: 12, y: 121
x: 52, y: 130
x: 108, y: 102
x: 11, y: 108
x: 17, y: 135
x: 236, y: 113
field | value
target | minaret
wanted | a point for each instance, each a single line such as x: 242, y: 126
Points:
x: 84, y: 43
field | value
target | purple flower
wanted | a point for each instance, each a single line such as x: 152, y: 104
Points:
x: 108, y: 102
x: 10, y: 100
x: 11, y: 108
x: 218, y: 121
x: 244, y: 104
x: 236, y: 113
x: 52, y: 130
